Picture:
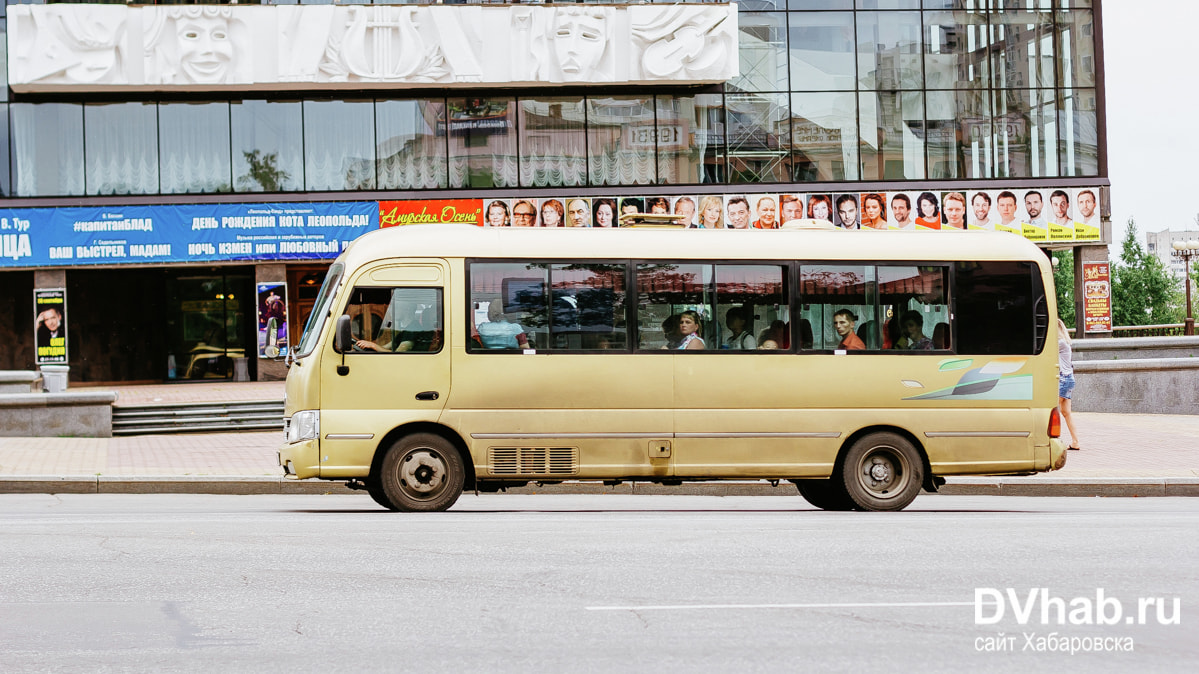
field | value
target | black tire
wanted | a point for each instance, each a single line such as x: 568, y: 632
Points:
x: 825, y: 494
x: 422, y: 472
x: 374, y: 487
x: 882, y: 471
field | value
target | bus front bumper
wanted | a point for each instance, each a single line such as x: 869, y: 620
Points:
x: 300, y: 460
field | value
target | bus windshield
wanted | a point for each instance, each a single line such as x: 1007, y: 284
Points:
x: 320, y: 311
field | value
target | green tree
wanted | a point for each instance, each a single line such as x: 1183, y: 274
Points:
x: 1063, y: 283
x: 264, y: 174
x: 1144, y: 292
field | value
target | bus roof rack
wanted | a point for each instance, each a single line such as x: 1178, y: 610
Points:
x: 650, y: 220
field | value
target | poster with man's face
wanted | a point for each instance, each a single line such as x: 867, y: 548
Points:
x: 272, y: 320
x: 50, y: 325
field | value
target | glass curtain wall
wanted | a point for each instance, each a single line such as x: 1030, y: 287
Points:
x: 828, y: 90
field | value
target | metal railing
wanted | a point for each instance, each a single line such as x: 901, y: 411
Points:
x: 1161, y: 330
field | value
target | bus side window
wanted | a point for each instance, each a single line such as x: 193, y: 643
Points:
x: 395, y: 320
x: 915, y: 301
x: 510, y: 306
x: 670, y: 298
x: 839, y: 302
x: 754, y: 307
x: 588, y: 306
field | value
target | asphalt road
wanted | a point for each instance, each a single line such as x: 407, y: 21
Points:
x: 593, y: 583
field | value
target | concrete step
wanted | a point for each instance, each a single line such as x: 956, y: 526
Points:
x: 200, y: 417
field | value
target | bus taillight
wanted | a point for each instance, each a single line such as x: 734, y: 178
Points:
x: 1055, y: 424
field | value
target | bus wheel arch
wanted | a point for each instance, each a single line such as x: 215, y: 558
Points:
x: 439, y: 437
x: 882, y: 468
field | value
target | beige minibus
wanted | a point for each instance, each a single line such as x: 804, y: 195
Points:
x: 862, y: 366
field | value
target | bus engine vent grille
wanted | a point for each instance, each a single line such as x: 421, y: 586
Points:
x: 533, y: 460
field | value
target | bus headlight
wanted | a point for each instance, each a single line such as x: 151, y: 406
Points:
x: 305, y: 425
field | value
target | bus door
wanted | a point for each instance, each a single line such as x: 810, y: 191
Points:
x: 398, y: 370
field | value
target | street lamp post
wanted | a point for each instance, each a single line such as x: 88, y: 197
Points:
x: 1185, y: 251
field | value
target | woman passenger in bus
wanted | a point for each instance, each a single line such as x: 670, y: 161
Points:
x: 843, y: 322
x: 552, y: 213
x: 913, y: 338
x: 498, y: 333
x: 689, y: 327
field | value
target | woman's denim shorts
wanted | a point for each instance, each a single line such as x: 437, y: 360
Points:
x: 1065, y: 386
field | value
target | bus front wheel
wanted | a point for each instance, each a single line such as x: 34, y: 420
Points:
x: 882, y: 471
x: 422, y: 472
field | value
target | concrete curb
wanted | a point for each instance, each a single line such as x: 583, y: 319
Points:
x: 245, y: 485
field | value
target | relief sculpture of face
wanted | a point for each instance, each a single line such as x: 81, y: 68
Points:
x: 580, y: 37
x: 205, y: 48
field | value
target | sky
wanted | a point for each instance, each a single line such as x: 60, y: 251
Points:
x: 1152, y: 114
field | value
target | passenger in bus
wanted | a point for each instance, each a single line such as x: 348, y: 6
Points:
x: 941, y: 336
x: 689, y: 328
x: 913, y: 338
x: 844, y: 322
x: 498, y: 333
x: 400, y: 336
x: 740, y: 339
x: 778, y: 332
x: 805, y: 334
x: 768, y: 345
x: 670, y: 331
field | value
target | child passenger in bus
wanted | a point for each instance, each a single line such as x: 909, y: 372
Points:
x: 498, y: 333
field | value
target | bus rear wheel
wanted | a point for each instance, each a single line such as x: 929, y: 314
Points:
x: 422, y: 472
x: 825, y: 494
x: 882, y: 471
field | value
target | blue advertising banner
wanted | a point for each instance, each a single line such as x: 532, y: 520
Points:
x: 58, y: 237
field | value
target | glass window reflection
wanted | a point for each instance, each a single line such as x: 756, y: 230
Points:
x: 1076, y: 44
x: 1079, y: 150
x: 759, y: 138
x: 193, y: 141
x: 267, y: 146
x: 1022, y: 51
x: 892, y: 146
x: 410, y: 144
x: 959, y: 136
x: 889, y: 50
x: 822, y: 51
x: 620, y: 140
x: 761, y: 53
x: 824, y: 136
x: 339, y: 145
x: 1026, y: 134
x: 955, y: 50
x: 122, y: 148
x: 482, y: 141
x: 553, y: 142
x: 47, y: 149
x: 690, y: 139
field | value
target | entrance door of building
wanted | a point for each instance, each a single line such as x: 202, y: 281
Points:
x: 210, y: 320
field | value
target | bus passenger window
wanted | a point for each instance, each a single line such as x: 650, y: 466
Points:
x: 913, y: 300
x: 839, y: 304
x: 753, y: 303
x: 395, y: 320
x: 588, y: 308
x: 674, y: 307
x: 510, y: 302
x: 997, y: 305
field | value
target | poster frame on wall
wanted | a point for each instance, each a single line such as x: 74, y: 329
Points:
x: 1097, y: 297
x: 272, y: 304
x: 50, y: 341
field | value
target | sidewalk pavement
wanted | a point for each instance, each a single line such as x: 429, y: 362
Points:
x: 1122, y: 455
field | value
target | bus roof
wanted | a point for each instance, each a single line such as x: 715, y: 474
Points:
x: 469, y: 241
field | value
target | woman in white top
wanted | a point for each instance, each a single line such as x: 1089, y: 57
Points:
x: 1065, y: 386
x: 689, y: 327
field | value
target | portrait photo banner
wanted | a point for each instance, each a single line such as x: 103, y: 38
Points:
x: 50, y: 325
x: 67, y: 237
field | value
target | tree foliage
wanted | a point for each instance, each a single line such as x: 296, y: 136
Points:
x: 1144, y: 292
x: 1063, y: 283
x: 264, y: 173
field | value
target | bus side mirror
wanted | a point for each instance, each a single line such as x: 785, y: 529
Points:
x: 343, y: 339
x: 271, y: 348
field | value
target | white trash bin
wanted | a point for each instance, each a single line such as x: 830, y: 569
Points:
x: 54, y: 378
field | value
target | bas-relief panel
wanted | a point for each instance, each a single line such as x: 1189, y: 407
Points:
x: 63, y: 47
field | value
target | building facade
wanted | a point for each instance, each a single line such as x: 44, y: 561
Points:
x: 183, y: 174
